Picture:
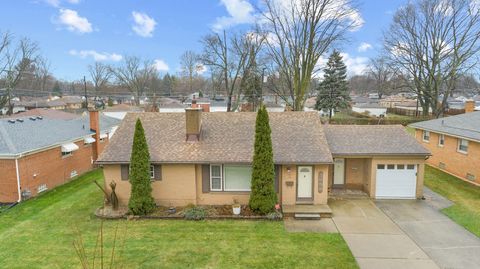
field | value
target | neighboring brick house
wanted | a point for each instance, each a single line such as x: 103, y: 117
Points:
x: 454, y: 142
x: 205, y: 158
x: 39, y: 153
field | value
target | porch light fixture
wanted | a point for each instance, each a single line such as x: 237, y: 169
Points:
x: 289, y: 169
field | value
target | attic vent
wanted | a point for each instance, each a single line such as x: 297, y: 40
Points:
x: 33, y: 118
x: 20, y: 120
x: 11, y: 121
x: 39, y: 118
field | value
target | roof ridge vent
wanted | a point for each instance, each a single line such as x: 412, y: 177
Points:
x: 20, y: 120
x: 11, y: 121
x: 39, y: 118
x: 33, y: 118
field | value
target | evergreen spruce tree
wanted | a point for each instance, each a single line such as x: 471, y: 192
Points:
x: 333, y: 90
x: 141, y: 200
x: 262, y: 196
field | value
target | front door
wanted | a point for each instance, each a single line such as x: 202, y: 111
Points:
x: 304, y: 185
x: 339, y: 172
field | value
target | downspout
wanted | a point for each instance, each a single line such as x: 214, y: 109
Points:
x: 18, y: 182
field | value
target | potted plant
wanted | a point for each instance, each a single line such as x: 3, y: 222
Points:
x: 236, y: 207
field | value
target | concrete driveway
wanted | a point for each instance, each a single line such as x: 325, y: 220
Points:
x: 445, y: 242
x: 374, y: 239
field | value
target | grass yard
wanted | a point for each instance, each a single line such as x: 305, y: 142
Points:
x: 39, y: 234
x: 466, y: 210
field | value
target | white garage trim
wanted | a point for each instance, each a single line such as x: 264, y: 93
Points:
x: 396, y: 181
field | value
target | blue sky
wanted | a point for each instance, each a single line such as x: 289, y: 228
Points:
x: 75, y: 33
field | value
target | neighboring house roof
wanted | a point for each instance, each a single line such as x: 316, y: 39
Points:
x: 369, y: 105
x: 297, y: 137
x: 464, y: 125
x: 30, y: 135
x: 123, y: 108
x: 372, y: 140
x: 46, y: 113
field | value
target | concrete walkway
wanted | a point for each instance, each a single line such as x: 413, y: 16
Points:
x: 446, y: 242
x: 374, y: 239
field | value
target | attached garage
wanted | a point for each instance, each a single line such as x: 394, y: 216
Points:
x: 396, y: 181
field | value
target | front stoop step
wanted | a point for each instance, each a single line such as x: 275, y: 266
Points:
x: 305, y: 216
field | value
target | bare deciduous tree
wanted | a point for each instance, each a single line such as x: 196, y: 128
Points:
x: 433, y: 42
x: 100, y: 74
x: 42, y: 73
x: 300, y: 32
x: 135, y: 75
x: 382, y: 73
x: 229, y: 56
x: 16, y: 58
x: 190, y: 66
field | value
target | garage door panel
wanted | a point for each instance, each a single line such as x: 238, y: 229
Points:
x: 396, y: 183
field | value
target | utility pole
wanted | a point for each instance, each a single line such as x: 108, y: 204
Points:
x: 85, y: 91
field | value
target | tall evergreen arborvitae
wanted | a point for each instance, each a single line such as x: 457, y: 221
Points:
x: 333, y: 90
x: 141, y: 200
x: 262, y: 196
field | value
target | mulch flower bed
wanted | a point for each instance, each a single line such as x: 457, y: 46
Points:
x: 162, y: 212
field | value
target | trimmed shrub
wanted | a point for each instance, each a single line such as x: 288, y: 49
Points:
x: 262, y: 196
x: 195, y: 213
x: 141, y: 201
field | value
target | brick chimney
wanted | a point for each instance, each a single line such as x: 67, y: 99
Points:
x: 193, y: 122
x: 469, y: 106
x: 95, y: 127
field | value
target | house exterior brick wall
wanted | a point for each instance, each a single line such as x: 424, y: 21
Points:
x: 448, y: 158
x: 47, y: 168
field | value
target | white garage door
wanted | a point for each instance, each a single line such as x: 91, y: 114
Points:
x: 396, y: 181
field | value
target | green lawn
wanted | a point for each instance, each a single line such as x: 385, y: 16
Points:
x: 466, y: 210
x: 39, y: 234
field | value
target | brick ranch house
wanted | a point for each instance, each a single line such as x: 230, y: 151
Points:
x: 205, y: 158
x: 454, y: 142
x: 39, y: 153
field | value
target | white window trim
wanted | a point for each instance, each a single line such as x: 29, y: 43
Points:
x: 233, y: 190
x: 221, y: 177
x: 423, y: 136
x: 441, y: 137
x: 458, y: 146
x: 152, y: 172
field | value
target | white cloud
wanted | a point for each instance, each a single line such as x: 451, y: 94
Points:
x: 97, y: 56
x: 355, y: 65
x: 239, y: 11
x: 201, y: 69
x: 364, y: 47
x: 161, y: 65
x: 74, y: 22
x: 144, y: 25
x: 73, y: 1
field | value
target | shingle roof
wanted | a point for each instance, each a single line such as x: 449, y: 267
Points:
x: 297, y: 137
x: 29, y: 135
x: 372, y: 140
x: 46, y: 113
x: 464, y: 125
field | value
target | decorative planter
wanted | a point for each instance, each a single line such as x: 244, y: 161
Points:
x: 236, y: 209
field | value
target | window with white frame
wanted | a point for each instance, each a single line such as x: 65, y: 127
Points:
x: 237, y: 178
x: 463, y: 145
x: 426, y: 136
x: 152, y: 172
x: 441, y: 140
x: 230, y: 177
x: 216, y: 177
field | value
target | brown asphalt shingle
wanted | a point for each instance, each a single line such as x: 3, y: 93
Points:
x: 372, y: 140
x: 297, y: 138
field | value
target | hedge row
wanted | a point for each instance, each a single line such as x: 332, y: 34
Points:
x: 375, y: 121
